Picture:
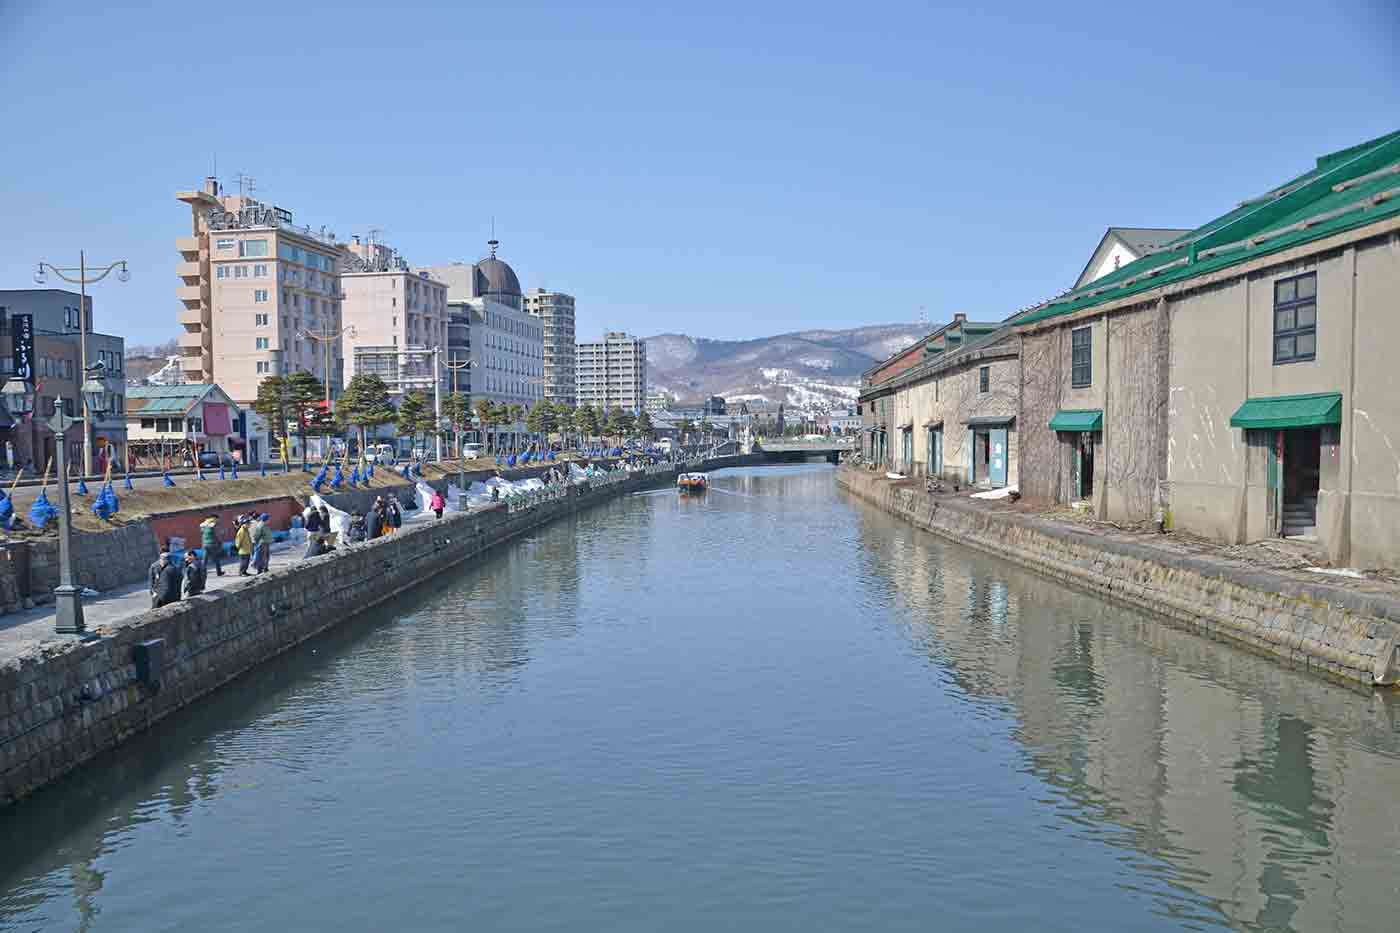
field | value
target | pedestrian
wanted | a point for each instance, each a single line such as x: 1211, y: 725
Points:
x: 325, y: 519
x: 311, y: 519
x: 315, y: 546
x: 243, y: 544
x: 194, y: 575
x: 262, y: 543
x: 437, y: 504
x: 374, y: 520
x: 213, y: 547
x: 165, y: 581
x: 395, y: 515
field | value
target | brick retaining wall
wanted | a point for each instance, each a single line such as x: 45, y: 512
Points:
x: 1327, y: 629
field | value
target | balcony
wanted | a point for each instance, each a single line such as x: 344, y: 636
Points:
x: 193, y: 318
x: 191, y: 294
x: 188, y: 244
x: 194, y: 341
x: 187, y: 270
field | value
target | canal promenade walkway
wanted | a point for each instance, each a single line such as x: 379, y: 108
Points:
x: 30, y: 629
x: 1341, y: 625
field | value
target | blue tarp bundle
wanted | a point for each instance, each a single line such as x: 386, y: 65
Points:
x: 405, y: 472
x: 320, y: 478
x: 168, y: 480
x: 369, y: 472
x: 355, y: 477
x: 199, y: 474
x: 510, y: 461
x: 417, y: 470
x: 7, y: 510
x: 339, y: 479
x: 82, y: 486
x: 106, y: 505
x: 42, y: 511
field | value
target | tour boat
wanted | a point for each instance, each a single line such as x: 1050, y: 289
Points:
x: 692, y: 482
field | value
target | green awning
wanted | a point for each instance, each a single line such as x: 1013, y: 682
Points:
x: 1289, y: 411
x: 991, y: 421
x: 1077, y: 421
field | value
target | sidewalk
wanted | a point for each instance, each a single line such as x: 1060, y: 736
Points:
x: 24, y: 631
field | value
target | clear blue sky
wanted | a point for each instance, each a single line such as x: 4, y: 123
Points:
x: 722, y: 169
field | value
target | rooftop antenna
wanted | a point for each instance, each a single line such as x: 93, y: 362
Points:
x: 923, y: 317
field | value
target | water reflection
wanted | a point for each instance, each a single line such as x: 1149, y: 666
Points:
x: 767, y: 707
x: 1255, y: 792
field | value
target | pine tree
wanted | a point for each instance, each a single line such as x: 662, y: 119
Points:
x: 564, y: 422
x: 411, y: 413
x: 540, y: 420
x: 586, y: 420
x: 365, y: 405
x: 644, y: 425
x: 458, y: 413
x: 272, y: 403
x: 304, y: 393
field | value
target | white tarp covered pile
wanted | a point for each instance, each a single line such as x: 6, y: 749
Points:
x: 529, y: 485
x: 576, y: 474
x: 456, y: 499
x: 478, y: 494
x: 422, y: 495
x: 340, y: 521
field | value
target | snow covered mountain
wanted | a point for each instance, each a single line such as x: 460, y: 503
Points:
x: 815, y: 370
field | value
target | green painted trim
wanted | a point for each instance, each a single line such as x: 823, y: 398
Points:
x: 1289, y: 411
x: 1077, y: 420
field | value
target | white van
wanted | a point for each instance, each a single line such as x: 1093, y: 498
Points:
x: 379, y: 453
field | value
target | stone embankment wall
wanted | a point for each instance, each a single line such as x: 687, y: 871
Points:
x: 61, y: 708
x: 1327, y: 629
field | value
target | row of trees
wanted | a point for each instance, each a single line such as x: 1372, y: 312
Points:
x: 364, y: 406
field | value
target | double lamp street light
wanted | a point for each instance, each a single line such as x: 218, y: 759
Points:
x: 19, y: 399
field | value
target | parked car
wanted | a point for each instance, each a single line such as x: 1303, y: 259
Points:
x: 212, y: 461
x: 379, y: 453
x: 471, y: 451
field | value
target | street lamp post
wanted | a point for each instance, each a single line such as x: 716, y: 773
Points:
x: 454, y: 366
x: 328, y: 339
x: 19, y: 397
x: 82, y: 280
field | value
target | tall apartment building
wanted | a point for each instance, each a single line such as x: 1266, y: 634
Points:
x: 612, y: 372
x: 397, y: 315
x: 556, y: 313
x: 488, y: 325
x: 257, y: 290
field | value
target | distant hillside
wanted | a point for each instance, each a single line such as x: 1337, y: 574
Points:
x: 813, y: 369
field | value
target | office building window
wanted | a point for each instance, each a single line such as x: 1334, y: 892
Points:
x: 262, y: 343
x: 1295, y: 319
x: 259, y: 295
x: 1081, y: 357
x: 260, y: 270
x: 222, y: 272
x: 264, y: 366
x: 252, y: 249
x: 261, y: 320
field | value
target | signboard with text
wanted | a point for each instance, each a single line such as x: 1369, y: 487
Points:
x: 22, y: 335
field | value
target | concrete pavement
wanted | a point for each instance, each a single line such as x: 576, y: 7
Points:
x: 24, y: 631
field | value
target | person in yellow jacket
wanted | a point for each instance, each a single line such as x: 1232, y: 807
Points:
x: 243, y: 544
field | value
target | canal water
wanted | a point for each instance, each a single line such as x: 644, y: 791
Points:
x: 768, y: 708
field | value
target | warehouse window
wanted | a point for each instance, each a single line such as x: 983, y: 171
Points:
x: 1295, y: 319
x: 984, y: 380
x: 1081, y: 357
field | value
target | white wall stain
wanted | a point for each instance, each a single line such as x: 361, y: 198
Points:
x: 1385, y: 439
